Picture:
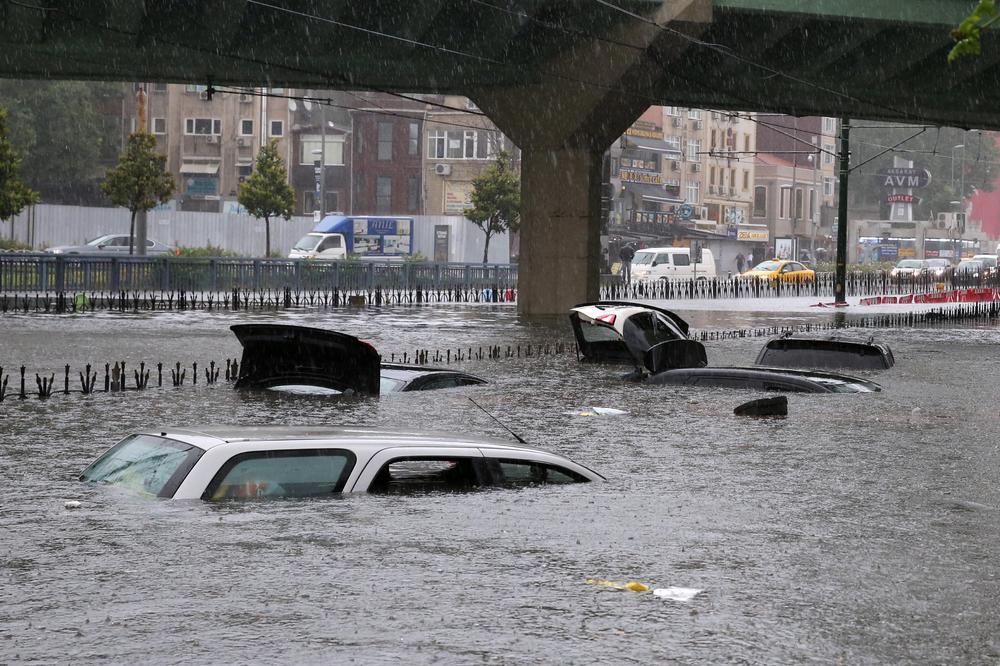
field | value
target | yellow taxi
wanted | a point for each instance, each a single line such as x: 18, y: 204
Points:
x: 781, y: 270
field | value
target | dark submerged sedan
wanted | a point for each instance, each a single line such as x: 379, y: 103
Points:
x: 301, y: 359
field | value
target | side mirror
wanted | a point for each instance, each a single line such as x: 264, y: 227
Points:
x: 655, y: 263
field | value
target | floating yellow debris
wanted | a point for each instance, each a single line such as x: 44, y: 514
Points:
x: 631, y: 585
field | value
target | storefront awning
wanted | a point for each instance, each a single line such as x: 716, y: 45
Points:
x: 642, y: 143
x: 650, y: 192
x: 210, y: 169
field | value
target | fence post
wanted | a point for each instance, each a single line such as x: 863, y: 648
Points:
x: 60, y: 273
x: 371, y: 275
x: 298, y: 275
x: 256, y: 274
x: 113, y: 278
x: 213, y: 275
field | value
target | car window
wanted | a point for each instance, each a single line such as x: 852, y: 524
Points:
x: 597, y: 332
x: 426, y: 474
x: 517, y: 473
x: 145, y: 464
x: 643, y: 258
x: 766, y: 266
x: 645, y: 329
x: 295, y: 473
x: 438, y: 383
x: 387, y: 385
x: 329, y: 243
x: 663, y: 259
x: 682, y: 260
x: 149, y: 243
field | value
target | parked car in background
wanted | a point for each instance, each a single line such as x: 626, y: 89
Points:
x: 233, y: 462
x: 908, y: 270
x: 112, y: 245
x: 781, y: 270
x: 989, y: 265
x: 939, y: 270
x: 969, y: 272
x: 672, y: 263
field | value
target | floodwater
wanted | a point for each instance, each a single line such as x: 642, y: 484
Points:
x: 861, y: 529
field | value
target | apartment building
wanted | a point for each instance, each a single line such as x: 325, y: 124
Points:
x: 795, y: 188
x: 459, y: 147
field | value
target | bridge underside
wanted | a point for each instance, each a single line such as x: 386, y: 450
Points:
x: 563, y: 78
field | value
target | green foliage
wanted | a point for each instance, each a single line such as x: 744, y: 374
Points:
x: 69, y: 132
x: 140, y: 181
x: 496, y: 200
x: 932, y: 150
x: 207, y: 251
x: 14, y: 195
x: 7, y: 244
x: 266, y: 193
x: 968, y: 33
x: 415, y: 258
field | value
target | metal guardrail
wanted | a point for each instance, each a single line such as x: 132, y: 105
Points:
x: 22, y: 273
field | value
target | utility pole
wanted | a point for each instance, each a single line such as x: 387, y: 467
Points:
x: 840, y: 279
x: 139, y: 242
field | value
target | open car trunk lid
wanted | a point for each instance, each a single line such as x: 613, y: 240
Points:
x: 279, y: 354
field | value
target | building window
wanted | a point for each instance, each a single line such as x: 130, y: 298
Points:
x: 246, y: 127
x: 414, y: 142
x: 243, y: 171
x: 694, y: 114
x: 760, y: 201
x: 454, y: 145
x: 829, y: 125
x: 495, y: 142
x: 436, y: 144
x: 798, y: 203
x: 383, y: 194
x: 277, y: 128
x: 746, y: 143
x: 711, y: 176
x: 384, y: 141
x: 786, y: 198
x: 159, y: 87
x: 412, y: 194
x: 470, y: 140
x: 828, y: 187
x: 746, y: 180
x: 159, y: 125
x: 673, y: 143
x: 206, y: 126
x: 672, y: 111
x: 693, y: 192
x: 828, y: 154
x: 192, y: 88
x: 694, y: 150
x: 314, y: 142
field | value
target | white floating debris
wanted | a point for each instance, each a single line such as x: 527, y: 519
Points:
x: 677, y: 593
x: 597, y: 411
x: 72, y: 504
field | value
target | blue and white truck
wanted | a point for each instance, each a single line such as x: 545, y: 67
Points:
x: 336, y: 236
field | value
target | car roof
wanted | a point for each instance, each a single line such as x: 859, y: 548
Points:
x: 409, y: 372
x: 211, y: 436
x: 676, y: 250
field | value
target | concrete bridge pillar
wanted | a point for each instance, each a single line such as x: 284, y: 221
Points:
x: 563, y: 119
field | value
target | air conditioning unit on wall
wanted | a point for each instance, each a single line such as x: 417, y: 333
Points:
x: 203, y: 95
x: 442, y: 169
x: 245, y: 98
x: 212, y: 138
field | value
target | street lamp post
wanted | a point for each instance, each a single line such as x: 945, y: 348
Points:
x: 318, y: 168
x: 953, y: 149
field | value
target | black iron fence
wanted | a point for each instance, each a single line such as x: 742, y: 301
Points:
x: 23, y: 273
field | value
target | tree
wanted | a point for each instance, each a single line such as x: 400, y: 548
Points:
x: 968, y: 33
x: 69, y: 133
x: 266, y: 193
x: 14, y: 195
x: 139, y: 181
x: 496, y: 200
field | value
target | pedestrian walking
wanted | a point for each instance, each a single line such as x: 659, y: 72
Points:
x: 626, y: 254
x: 741, y: 263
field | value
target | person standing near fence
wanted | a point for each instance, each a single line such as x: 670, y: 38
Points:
x: 626, y: 254
x: 741, y: 263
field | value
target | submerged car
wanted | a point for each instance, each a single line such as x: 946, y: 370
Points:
x: 229, y: 462
x: 657, y: 343
x: 301, y: 359
x: 626, y: 332
x: 766, y: 379
x: 112, y: 245
x: 834, y: 351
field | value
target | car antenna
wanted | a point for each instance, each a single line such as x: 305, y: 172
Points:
x: 500, y: 423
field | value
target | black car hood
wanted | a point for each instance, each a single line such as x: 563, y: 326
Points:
x: 278, y: 354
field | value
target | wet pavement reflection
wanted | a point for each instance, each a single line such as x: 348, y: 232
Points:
x: 862, y: 528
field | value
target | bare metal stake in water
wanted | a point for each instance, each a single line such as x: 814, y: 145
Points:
x: 44, y: 385
x: 194, y: 375
x: 3, y: 386
x: 23, y: 395
x: 87, y: 382
x: 66, y: 381
x: 107, y: 377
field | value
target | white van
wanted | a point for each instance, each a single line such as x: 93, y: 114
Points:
x: 659, y: 263
x: 327, y: 247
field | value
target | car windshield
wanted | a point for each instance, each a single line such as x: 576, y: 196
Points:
x: 970, y: 266
x: 938, y: 263
x: 102, y: 240
x: 387, y: 385
x: 144, y: 463
x: 308, y: 243
x: 909, y: 263
x: 643, y: 257
x: 987, y: 261
x: 766, y: 266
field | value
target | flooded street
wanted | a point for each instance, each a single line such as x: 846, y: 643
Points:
x: 861, y: 529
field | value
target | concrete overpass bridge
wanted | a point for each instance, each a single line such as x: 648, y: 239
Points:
x: 562, y: 78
